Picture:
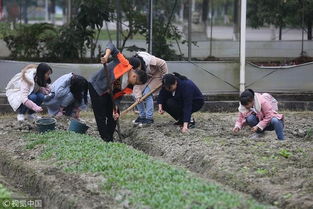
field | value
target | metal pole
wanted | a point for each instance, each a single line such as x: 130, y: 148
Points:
x: 1, y: 8
x: 150, y: 26
x: 302, y: 50
x: 21, y: 5
x: 211, y: 27
x: 189, y: 28
x: 47, y: 11
x: 118, y: 25
x: 242, y: 44
x: 69, y: 11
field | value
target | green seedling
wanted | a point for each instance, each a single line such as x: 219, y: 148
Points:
x: 285, y: 153
x: 152, y: 183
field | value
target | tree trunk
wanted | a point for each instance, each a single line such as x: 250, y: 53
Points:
x: 236, y: 20
x: 205, y: 10
x: 25, y: 16
x: 310, y: 22
x: 53, y: 11
x: 64, y: 11
x: 280, y: 32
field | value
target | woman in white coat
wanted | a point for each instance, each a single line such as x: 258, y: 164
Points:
x: 27, y: 89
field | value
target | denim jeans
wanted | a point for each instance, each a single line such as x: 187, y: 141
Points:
x: 146, y: 107
x: 37, y: 98
x: 275, y: 124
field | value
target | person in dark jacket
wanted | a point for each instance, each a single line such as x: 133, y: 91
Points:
x: 180, y: 97
x: 109, y: 84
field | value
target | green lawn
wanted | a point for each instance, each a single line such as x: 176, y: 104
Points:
x: 152, y: 183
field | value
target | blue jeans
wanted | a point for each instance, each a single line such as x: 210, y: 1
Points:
x: 37, y: 98
x: 146, y: 107
x: 275, y: 124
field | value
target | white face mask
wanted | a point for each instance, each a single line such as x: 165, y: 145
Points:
x: 124, y: 80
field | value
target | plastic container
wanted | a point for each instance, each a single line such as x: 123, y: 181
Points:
x: 45, y: 124
x: 78, y: 126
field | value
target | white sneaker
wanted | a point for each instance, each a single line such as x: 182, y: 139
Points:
x: 20, y: 117
x: 33, y: 116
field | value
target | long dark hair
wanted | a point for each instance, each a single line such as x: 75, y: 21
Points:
x: 41, y: 70
x: 246, y: 97
x: 170, y: 79
x: 79, y: 88
x: 134, y: 61
x: 142, y: 62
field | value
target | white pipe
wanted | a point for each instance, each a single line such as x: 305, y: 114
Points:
x: 47, y: 11
x: 243, y: 44
x: 189, y: 28
x: 150, y: 26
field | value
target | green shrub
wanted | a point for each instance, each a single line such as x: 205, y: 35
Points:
x: 30, y: 41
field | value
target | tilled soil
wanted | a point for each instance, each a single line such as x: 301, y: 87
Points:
x: 277, y: 172
x: 22, y: 169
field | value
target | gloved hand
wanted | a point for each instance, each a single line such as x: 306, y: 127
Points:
x: 31, y: 105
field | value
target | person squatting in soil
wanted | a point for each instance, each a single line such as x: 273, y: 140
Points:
x: 259, y: 111
x: 155, y: 68
x: 180, y: 97
x: 69, y: 95
x: 123, y: 74
x: 26, y: 90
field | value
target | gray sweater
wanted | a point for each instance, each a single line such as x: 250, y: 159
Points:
x: 99, y: 80
x: 63, y: 96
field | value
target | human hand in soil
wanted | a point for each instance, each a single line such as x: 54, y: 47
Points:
x: 185, y: 128
x: 31, y: 105
x: 254, y: 128
x: 38, y: 109
x: 161, y: 111
x: 236, y: 129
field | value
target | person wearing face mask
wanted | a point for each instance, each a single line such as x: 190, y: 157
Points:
x: 180, y: 97
x: 108, y: 85
x: 260, y: 112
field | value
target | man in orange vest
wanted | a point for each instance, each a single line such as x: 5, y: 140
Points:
x: 115, y: 79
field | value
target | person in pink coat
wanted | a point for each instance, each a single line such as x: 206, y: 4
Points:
x: 259, y: 111
x: 27, y: 90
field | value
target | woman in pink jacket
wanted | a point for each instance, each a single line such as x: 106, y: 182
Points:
x: 259, y: 111
x: 26, y: 90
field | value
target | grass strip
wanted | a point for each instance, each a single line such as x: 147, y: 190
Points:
x: 151, y: 182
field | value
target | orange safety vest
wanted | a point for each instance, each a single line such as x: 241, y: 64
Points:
x: 119, y: 70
